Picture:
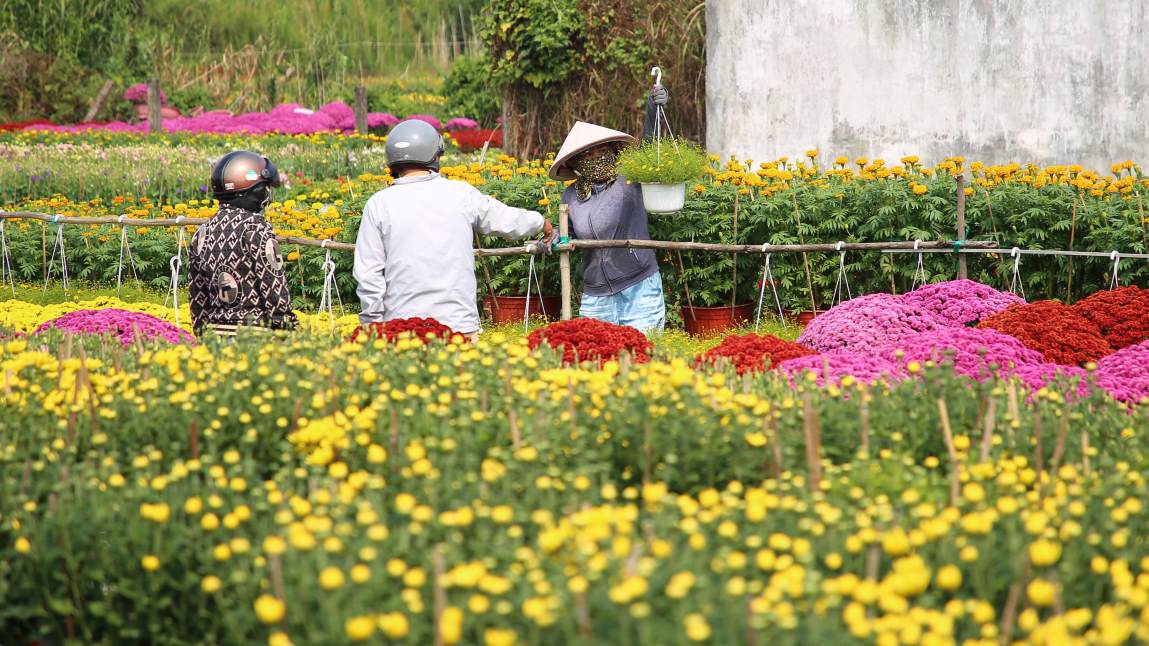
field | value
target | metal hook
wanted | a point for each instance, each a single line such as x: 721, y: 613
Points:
x: 656, y: 72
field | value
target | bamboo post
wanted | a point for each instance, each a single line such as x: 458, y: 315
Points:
x: 734, y: 262
x: 98, y: 103
x: 955, y: 465
x: 1072, y: 234
x: 962, y: 270
x: 565, y: 260
x: 155, y: 105
x: 805, y: 258
x: 361, y: 109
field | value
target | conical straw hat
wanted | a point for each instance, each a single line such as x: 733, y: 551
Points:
x: 582, y: 137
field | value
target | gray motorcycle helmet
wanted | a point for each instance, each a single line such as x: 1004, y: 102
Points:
x: 413, y: 143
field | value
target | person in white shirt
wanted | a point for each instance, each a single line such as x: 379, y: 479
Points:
x: 414, y: 254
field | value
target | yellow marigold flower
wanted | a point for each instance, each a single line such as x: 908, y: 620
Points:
x: 1044, y: 553
x: 499, y: 637
x: 359, y: 628
x: 331, y: 578
x: 279, y: 638
x: 451, y: 625
x: 274, y: 545
x: 697, y: 628
x: 23, y: 545
x: 949, y: 578
x: 150, y: 563
x: 394, y: 625
x: 269, y: 609
x: 1041, y: 593
x: 360, y: 573
x: 210, y: 584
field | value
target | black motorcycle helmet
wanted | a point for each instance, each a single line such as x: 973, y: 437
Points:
x: 244, y: 179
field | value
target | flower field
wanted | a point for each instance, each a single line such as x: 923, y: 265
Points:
x: 947, y: 463
x: 319, y: 489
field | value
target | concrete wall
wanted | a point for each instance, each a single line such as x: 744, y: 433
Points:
x: 1051, y: 81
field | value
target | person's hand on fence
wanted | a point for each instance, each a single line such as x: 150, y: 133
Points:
x: 659, y: 95
x: 548, y: 236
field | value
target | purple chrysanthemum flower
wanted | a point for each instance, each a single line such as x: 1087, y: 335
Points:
x: 122, y: 324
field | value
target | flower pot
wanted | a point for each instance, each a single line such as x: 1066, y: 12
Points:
x: 664, y: 198
x: 709, y: 320
x: 805, y: 317
x: 510, y: 309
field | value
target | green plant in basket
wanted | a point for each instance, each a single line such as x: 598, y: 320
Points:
x: 663, y: 167
x: 669, y: 161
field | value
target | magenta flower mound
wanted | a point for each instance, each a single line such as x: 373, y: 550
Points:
x: 119, y: 323
x: 138, y: 93
x: 1125, y: 374
x: 1041, y: 375
x: 428, y: 118
x: 867, y: 322
x: 865, y: 368
x: 287, y: 118
x: 970, y: 350
x: 461, y: 123
x: 381, y: 119
x: 960, y: 302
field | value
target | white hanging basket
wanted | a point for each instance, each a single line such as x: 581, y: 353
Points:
x: 664, y: 198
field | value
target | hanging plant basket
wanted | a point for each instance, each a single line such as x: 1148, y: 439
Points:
x: 664, y: 198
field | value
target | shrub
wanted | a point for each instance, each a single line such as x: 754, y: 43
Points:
x: 470, y: 91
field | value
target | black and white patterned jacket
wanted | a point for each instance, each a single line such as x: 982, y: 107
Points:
x: 236, y: 274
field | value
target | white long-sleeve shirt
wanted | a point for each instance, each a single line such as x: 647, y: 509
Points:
x: 415, y: 255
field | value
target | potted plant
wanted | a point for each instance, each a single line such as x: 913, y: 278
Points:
x: 663, y: 167
x: 504, y: 294
x: 711, y: 292
x: 502, y: 280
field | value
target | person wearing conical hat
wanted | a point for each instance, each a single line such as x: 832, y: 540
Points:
x: 621, y: 286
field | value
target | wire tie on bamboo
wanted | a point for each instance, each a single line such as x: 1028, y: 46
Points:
x: 533, y: 248
x: 1016, y: 284
x: 120, y: 263
x: 6, y: 259
x: 1116, y: 258
x: 176, y: 265
x: 326, y: 302
x: 837, y: 296
x: 767, y: 277
x: 920, y: 271
x: 58, y: 242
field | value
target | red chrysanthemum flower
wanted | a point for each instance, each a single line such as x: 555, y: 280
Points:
x: 592, y: 340
x: 1052, y: 328
x: 420, y: 328
x: 1121, y: 315
x: 753, y: 352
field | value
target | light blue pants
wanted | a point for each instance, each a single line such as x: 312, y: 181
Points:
x: 640, y: 306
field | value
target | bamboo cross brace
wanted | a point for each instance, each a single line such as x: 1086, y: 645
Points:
x: 990, y: 425
x: 813, y: 448
x: 955, y: 466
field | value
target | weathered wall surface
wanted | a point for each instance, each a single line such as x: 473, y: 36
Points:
x: 1051, y: 81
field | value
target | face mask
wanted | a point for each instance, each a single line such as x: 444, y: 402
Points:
x: 600, y: 168
x: 255, y: 200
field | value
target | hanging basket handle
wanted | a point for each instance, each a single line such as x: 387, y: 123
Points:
x: 656, y: 72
